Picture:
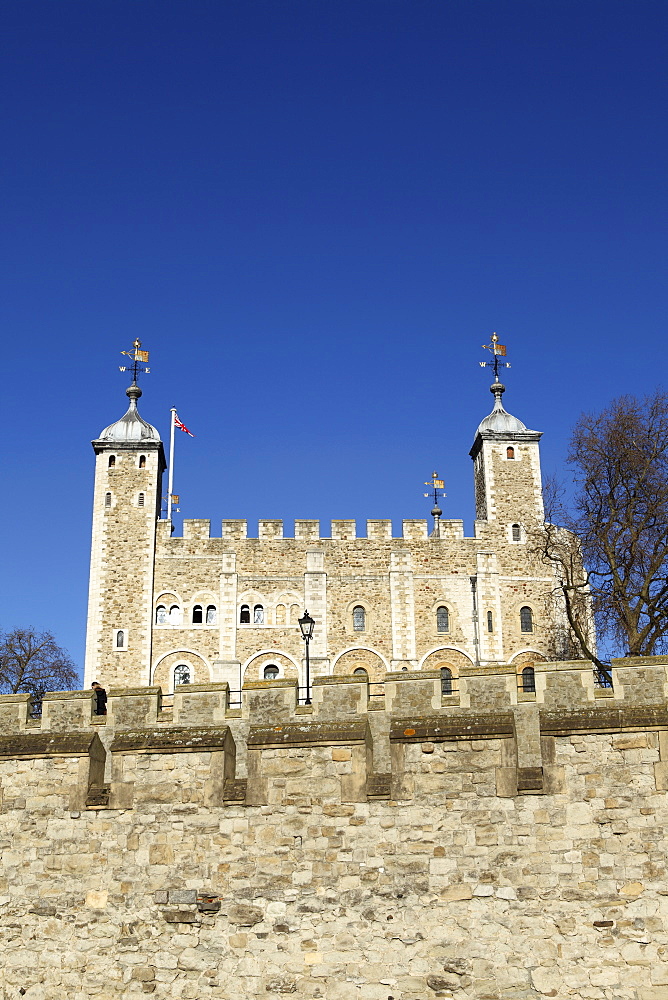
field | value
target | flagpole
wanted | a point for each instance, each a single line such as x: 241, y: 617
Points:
x: 171, y: 464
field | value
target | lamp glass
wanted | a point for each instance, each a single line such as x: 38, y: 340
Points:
x: 306, y: 625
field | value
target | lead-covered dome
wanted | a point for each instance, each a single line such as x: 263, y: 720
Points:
x: 499, y: 420
x: 131, y: 427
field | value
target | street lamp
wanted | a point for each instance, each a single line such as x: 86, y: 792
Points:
x: 306, y: 625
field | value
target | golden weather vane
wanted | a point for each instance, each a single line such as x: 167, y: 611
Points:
x: 498, y: 351
x: 435, y: 493
x: 138, y: 357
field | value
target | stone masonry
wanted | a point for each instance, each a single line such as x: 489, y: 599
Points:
x: 492, y: 844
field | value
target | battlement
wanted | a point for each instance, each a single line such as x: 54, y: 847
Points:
x: 271, y: 529
x: 373, y: 721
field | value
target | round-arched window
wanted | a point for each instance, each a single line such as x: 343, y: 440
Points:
x: 528, y: 679
x: 526, y: 619
x: 442, y: 619
x: 197, y: 614
x: 181, y: 674
x: 211, y: 614
x: 270, y: 672
x: 360, y: 672
x: 244, y: 615
x: 446, y: 680
x: 359, y: 618
x: 161, y: 615
x: 258, y: 615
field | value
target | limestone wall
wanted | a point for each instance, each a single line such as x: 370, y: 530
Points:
x: 487, y: 844
x: 399, y: 582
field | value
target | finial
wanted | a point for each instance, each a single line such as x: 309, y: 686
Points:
x: 137, y: 356
x: 436, y: 491
x: 498, y: 351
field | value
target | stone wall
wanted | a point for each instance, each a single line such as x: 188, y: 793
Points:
x: 489, y: 844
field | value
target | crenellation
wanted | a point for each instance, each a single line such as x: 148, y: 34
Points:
x: 270, y: 529
x: 234, y: 529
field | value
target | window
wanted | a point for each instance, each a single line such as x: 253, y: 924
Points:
x: 280, y: 614
x: 446, y: 680
x: 442, y: 619
x: 360, y: 672
x: 258, y: 615
x: 526, y: 619
x: 270, y: 672
x: 197, y: 614
x: 528, y: 679
x: 161, y: 615
x: 490, y: 622
x: 516, y: 533
x: 244, y: 615
x: 107, y: 499
x: 510, y: 453
x: 175, y: 615
x: 181, y: 674
x: 211, y: 614
x: 120, y: 639
x: 359, y: 618
x: 140, y: 501
x: 142, y: 461
x: 112, y: 461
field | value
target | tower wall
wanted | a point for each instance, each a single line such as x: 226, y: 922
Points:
x: 126, y: 505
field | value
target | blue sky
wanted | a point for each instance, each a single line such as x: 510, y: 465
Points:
x: 313, y: 214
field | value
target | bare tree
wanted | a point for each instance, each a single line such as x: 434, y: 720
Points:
x: 620, y: 517
x: 33, y: 662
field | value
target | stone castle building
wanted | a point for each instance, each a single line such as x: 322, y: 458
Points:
x: 440, y: 825
x: 164, y: 610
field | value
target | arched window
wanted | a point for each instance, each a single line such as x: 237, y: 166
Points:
x: 510, y: 452
x: 360, y: 672
x: 175, y: 615
x: 211, y: 614
x: 526, y: 619
x: 161, y: 615
x: 140, y: 501
x: 528, y: 679
x: 517, y: 533
x: 142, y: 461
x: 112, y: 461
x: 258, y: 615
x: 270, y: 672
x: 359, y: 618
x: 446, y: 680
x: 120, y: 639
x: 442, y: 619
x: 490, y: 622
x: 107, y: 499
x: 197, y: 614
x: 181, y: 674
x: 244, y: 615
x: 280, y: 614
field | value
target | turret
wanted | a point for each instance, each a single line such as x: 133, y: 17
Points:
x: 129, y: 462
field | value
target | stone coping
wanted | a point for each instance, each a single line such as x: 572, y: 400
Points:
x: 279, y: 682
x: 338, y: 679
x: 27, y: 745
x: 68, y: 695
x: 462, y: 726
x: 133, y: 692
x: 222, y: 686
x: 308, y: 734
x: 603, y: 719
x: 20, y: 698
x: 172, y: 740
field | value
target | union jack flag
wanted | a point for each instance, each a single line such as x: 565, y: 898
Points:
x: 182, y: 426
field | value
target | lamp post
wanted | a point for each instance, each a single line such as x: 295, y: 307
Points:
x: 306, y: 625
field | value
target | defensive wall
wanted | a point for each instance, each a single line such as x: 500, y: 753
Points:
x: 488, y: 843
